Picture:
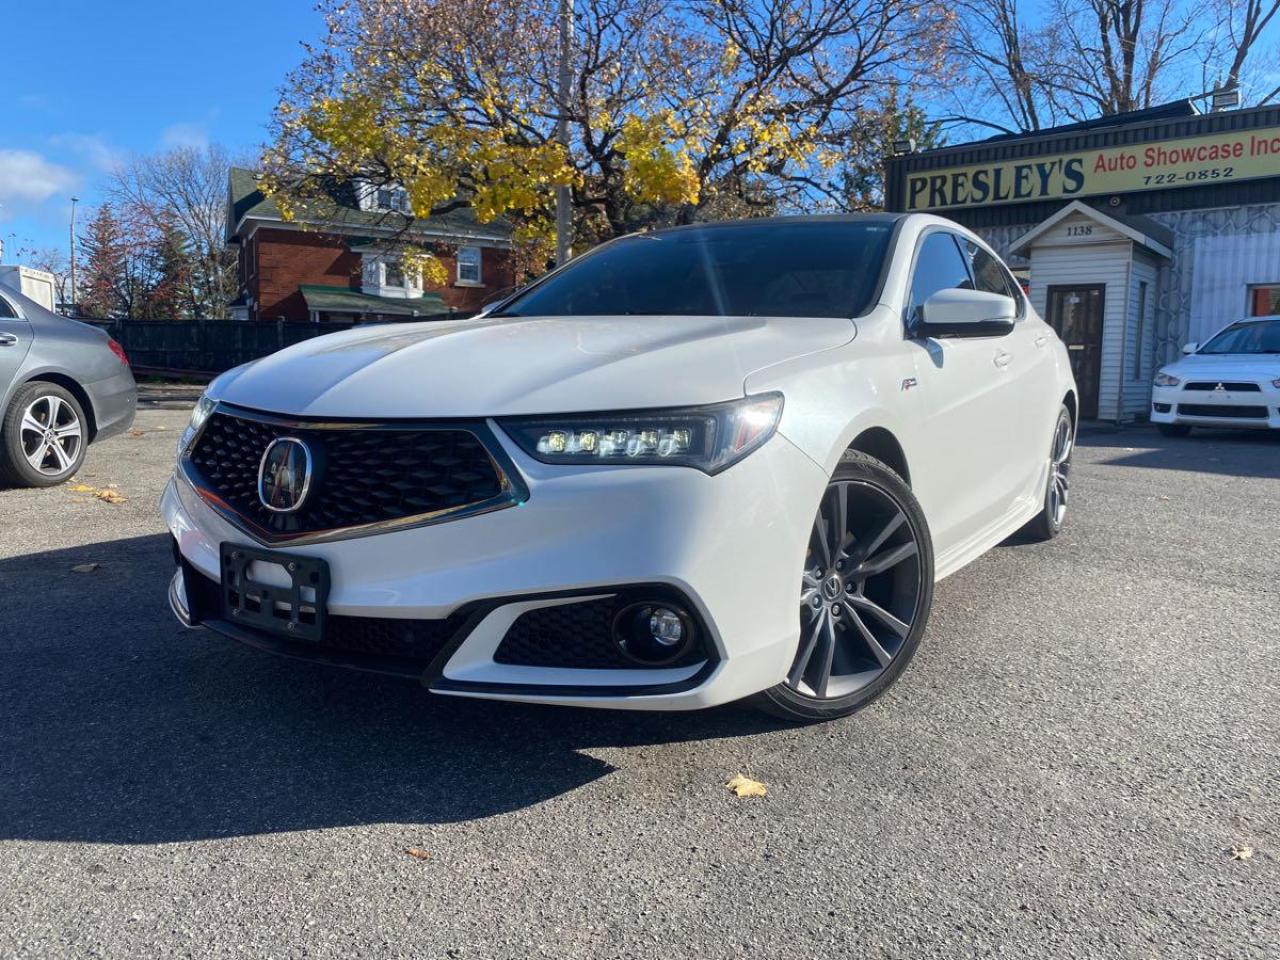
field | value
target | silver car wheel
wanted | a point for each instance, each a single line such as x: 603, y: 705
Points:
x: 860, y: 592
x: 50, y: 435
x: 1060, y: 471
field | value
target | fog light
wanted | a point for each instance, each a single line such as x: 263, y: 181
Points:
x: 653, y: 634
x: 666, y: 627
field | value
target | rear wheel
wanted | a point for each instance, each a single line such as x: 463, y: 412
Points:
x: 865, y: 594
x: 43, y: 436
x: 1173, y: 429
x: 1047, y: 524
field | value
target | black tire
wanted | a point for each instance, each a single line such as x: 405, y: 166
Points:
x: 1173, y: 429
x: 18, y: 440
x: 1047, y: 524
x: 884, y: 492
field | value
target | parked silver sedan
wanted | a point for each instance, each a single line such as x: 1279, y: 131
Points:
x: 63, y: 385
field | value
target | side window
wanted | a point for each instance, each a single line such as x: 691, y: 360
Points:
x: 939, y: 266
x: 6, y: 311
x: 990, y: 275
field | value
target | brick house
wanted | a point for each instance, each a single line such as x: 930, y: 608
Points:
x: 336, y: 262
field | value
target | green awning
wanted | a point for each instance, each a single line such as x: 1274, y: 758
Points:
x: 324, y: 299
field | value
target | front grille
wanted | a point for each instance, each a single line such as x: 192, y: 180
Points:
x: 362, y: 473
x: 573, y: 635
x: 1228, y: 411
x: 1227, y: 385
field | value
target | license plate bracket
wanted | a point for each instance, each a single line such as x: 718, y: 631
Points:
x: 295, y: 610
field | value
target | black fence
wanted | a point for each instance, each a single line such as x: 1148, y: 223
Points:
x: 212, y: 346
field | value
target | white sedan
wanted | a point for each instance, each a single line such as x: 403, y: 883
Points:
x: 1231, y: 380
x: 692, y: 466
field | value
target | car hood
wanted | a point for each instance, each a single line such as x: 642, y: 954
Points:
x: 1221, y: 366
x: 505, y: 366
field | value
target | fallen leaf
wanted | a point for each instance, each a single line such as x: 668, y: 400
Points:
x: 1241, y: 852
x: 109, y: 496
x: 746, y: 787
x: 82, y: 488
x: 135, y: 432
x: 84, y: 568
x: 418, y: 853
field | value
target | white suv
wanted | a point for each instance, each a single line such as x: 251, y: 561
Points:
x: 690, y: 467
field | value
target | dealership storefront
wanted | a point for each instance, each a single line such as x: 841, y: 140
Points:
x: 1133, y: 234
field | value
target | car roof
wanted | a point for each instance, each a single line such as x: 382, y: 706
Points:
x: 881, y: 218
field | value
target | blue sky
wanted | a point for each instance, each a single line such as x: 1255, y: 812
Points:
x: 89, y: 81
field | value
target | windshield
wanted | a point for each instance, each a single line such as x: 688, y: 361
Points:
x: 1258, y: 336
x: 800, y: 269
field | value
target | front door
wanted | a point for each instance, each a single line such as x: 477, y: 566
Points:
x: 1076, y: 314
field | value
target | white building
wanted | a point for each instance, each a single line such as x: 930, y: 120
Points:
x: 1133, y: 234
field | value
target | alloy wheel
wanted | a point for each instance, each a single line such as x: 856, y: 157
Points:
x: 1060, y: 471
x: 860, y: 593
x: 50, y: 435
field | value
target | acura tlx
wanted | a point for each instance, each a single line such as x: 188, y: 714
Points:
x: 690, y: 467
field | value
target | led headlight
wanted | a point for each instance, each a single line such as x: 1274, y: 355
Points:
x: 1166, y: 380
x: 709, y: 438
x: 199, y: 414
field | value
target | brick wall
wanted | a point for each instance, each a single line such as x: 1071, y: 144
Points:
x: 497, y: 270
x: 274, y: 262
x: 287, y: 258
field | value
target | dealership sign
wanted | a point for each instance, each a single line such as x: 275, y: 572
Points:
x: 1219, y: 158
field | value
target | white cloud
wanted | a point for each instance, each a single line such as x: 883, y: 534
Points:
x: 185, y: 135
x: 26, y: 176
x: 93, y: 148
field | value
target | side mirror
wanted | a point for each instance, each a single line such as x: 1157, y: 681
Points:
x: 1189, y: 348
x: 968, y: 313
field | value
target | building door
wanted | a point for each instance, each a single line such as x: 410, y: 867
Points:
x: 1076, y: 314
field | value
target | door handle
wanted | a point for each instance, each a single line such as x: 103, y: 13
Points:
x: 1002, y: 358
x: 1041, y: 340
x: 8, y: 339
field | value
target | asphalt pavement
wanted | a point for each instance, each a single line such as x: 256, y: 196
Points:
x: 1090, y: 728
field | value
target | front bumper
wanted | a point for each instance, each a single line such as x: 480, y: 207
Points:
x: 731, y: 546
x: 1258, y: 410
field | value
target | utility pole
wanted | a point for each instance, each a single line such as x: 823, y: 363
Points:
x: 71, y: 306
x: 564, y: 199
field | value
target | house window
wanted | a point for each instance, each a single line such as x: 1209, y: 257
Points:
x: 1264, y: 300
x: 393, y: 274
x: 394, y: 199
x: 469, y: 265
x: 1141, y: 337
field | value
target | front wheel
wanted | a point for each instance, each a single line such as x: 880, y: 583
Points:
x: 865, y: 595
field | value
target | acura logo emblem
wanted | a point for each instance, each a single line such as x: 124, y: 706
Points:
x: 284, y: 475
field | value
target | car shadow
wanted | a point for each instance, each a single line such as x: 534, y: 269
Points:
x: 1236, y: 453
x: 119, y: 726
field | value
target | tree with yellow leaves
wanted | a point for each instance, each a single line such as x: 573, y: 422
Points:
x: 680, y: 109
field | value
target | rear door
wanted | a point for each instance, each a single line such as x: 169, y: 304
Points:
x: 15, y: 341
